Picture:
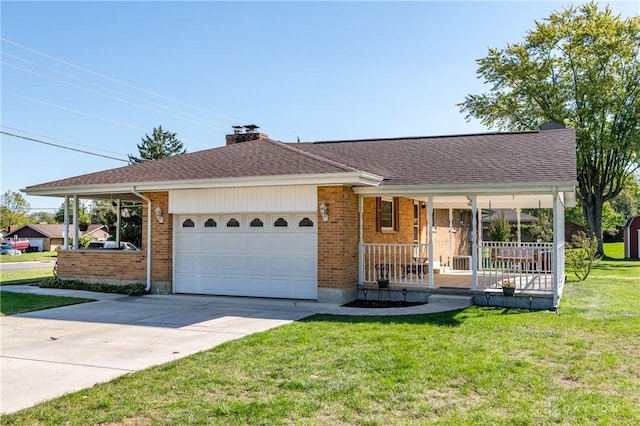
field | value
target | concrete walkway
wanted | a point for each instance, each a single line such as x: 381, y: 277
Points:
x: 46, y: 354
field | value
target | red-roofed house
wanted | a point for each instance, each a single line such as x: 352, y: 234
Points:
x: 325, y: 220
x: 50, y: 237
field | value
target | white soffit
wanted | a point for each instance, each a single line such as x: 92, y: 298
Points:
x: 544, y: 201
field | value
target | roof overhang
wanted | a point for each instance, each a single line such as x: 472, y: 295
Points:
x: 123, y: 191
x: 488, y: 196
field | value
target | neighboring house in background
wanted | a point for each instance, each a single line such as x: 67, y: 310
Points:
x: 50, y: 237
x: 513, y: 217
x: 326, y: 220
x: 632, y: 238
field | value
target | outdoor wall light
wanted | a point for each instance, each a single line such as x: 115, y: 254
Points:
x: 159, y: 215
x: 324, y: 212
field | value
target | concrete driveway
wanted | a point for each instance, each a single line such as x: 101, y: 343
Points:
x: 46, y: 354
x: 49, y: 353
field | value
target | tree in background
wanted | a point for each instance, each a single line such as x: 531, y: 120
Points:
x: 42, y: 217
x: 14, y: 210
x: 132, y: 225
x: 104, y: 213
x: 160, y: 145
x: 499, y: 230
x: 542, y: 230
x: 83, y: 217
x: 579, y: 67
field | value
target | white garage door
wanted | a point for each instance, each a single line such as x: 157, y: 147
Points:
x: 263, y: 255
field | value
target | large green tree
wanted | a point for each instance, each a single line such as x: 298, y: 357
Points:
x: 161, y: 144
x: 580, y: 67
x: 13, y: 210
x: 42, y: 217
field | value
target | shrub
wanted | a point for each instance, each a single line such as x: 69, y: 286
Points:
x: 136, y: 289
x: 583, y: 255
x: 500, y: 230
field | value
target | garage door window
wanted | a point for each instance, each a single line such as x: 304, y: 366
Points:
x: 210, y: 223
x: 233, y: 223
x: 256, y: 223
x: 280, y: 223
x: 305, y: 223
x: 188, y: 224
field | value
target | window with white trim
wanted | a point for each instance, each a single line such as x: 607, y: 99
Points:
x: 386, y: 214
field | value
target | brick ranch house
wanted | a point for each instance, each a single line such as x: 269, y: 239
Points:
x: 326, y: 220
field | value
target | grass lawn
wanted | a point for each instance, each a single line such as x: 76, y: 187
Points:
x: 476, y: 366
x: 30, y: 257
x: 16, y: 303
x: 26, y: 276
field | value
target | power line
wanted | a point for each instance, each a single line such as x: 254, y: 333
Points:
x: 200, y: 121
x: 80, y: 112
x: 116, y: 81
x: 60, y: 140
x: 62, y: 146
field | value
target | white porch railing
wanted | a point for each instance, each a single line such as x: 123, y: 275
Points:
x: 399, y: 263
x: 528, y: 265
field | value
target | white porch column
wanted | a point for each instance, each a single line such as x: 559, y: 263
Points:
x: 556, y: 247
x: 430, y: 246
x: 450, y: 265
x: 118, y: 221
x: 480, y: 231
x: 76, y: 226
x: 65, y: 229
x: 474, y: 243
x: 360, y: 241
x: 518, y: 226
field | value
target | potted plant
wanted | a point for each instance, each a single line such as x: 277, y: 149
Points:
x: 508, y: 287
x: 383, y: 283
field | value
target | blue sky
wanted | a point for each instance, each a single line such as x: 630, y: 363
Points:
x: 98, y: 76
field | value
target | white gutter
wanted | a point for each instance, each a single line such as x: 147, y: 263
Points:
x: 346, y: 178
x: 148, y: 200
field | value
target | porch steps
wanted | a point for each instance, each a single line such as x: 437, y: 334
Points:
x: 451, y: 300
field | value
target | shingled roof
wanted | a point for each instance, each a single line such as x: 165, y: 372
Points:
x: 544, y: 156
x: 522, y: 157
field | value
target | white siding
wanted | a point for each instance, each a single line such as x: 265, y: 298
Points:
x: 300, y: 198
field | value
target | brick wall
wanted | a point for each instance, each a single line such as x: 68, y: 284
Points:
x: 102, y: 265
x: 405, y: 226
x: 161, y: 237
x: 338, y: 238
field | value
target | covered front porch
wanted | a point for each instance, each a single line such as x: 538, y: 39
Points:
x: 466, y: 266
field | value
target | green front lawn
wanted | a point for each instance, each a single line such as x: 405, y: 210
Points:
x: 17, y: 303
x: 26, y: 276
x: 30, y: 257
x: 477, y: 366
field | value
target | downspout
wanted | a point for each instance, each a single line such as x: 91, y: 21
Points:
x: 148, y: 200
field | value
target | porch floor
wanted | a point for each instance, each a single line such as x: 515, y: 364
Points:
x: 462, y: 280
x: 532, y: 292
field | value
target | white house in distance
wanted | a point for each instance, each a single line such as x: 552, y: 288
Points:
x: 326, y: 220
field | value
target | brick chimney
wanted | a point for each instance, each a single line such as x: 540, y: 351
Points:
x: 250, y: 134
